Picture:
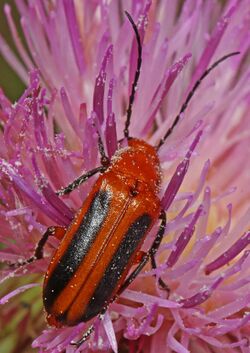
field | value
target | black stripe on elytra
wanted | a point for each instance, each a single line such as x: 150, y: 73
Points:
x: 78, y: 247
x: 118, y: 264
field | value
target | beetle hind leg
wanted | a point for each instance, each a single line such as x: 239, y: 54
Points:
x: 155, y: 247
x: 145, y: 257
x: 84, y: 338
x: 161, y: 283
x: 89, y: 331
x: 138, y: 259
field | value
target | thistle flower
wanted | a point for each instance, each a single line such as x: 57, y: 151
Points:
x: 78, y: 66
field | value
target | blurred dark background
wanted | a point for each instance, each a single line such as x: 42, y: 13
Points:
x: 9, y: 81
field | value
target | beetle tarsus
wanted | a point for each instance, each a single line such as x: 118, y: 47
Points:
x: 161, y: 283
x: 84, y: 338
x: 91, y: 328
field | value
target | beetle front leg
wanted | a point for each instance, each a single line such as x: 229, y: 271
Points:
x: 77, y: 182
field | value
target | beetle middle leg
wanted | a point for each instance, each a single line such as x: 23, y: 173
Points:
x: 56, y: 231
x: 138, y: 259
x: 147, y: 256
x: 161, y: 283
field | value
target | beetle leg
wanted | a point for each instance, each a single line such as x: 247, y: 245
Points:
x: 84, y: 338
x: 77, y: 182
x: 161, y: 283
x: 138, y: 259
x: 139, y: 256
x: 105, y: 161
x: 57, y: 231
x: 88, y: 332
x: 148, y: 255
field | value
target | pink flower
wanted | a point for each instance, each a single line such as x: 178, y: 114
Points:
x: 79, y: 67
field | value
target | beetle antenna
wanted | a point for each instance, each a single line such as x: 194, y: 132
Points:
x: 136, y: 78
x: 190, y: 95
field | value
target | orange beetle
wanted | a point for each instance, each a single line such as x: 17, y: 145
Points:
x: 102, y: 243
x: 91, y: 266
